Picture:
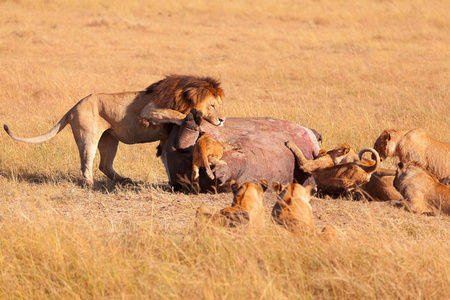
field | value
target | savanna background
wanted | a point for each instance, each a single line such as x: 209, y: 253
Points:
x: 349, y: 69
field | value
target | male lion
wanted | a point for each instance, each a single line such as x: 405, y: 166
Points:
x: 416, y: 145
x: 103, y: 120
x: 422, y: 191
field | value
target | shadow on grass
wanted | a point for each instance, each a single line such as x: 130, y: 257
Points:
x: 108, y: 186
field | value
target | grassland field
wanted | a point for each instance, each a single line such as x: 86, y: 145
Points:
x: 348, y: 69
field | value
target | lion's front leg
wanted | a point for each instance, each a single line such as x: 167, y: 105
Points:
x: 152, y: 114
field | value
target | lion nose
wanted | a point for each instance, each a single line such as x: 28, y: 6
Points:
x: 221, y: 120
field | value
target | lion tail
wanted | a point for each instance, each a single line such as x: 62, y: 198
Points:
x: 42, y: 138
x: 373, y: 168
x: 206, y: 164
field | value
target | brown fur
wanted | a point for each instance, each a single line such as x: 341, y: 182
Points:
x: 247, y: 205
x: 208, y: 151
x: 293, y: 210
x: 422, y: 191
x: 342, y: 154
x: 337, y: 178
x: 103, y: 120
x: 415, y: 145
x: 246, y: 208
x: 381, y: 188
x: 345, y: 154
x: 322, y: 161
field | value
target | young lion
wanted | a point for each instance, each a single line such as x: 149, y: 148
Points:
x: 416, y: 145
x: 422, y: 191
x: 246, y: 208
x: 380, y: 186
x: 323, y: 160
x: 247, y: 205
x: 208, y: 151
x: 332, y: 178
x: 293, y: 210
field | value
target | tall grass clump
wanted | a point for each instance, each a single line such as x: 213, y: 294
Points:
x: 45, y: 254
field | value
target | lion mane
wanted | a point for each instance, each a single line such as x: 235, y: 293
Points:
x: 182, y: 93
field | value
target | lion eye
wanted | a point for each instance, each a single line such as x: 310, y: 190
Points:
x: 213, y: 106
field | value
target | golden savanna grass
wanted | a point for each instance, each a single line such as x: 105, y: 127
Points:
x: 349, y: 69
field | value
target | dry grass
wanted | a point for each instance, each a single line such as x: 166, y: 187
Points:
x: 348, y: 69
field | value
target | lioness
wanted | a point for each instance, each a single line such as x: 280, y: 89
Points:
x: 293, y: 209
x: 346, y: 177
x: 103, y: 120
x: 421, y: 189
x: 416, y: 145
x: 208, y: 151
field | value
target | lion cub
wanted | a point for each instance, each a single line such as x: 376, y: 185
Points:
x: 247, y: 205
x: 332, y: 178
x: 208, y: 151
x: 246, y: 208
x: 293, y: 210
x: 421, y: 189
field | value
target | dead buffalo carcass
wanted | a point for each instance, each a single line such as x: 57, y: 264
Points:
x: 263, y: 154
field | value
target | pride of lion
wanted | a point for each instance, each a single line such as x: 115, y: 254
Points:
x: 101, y: 121
x: 415, y: 185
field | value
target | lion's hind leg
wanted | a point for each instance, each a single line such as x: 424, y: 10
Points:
x: 87, y: 146
x: 107, y: 147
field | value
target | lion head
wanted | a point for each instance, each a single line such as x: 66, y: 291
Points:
x: 382, y: 145
x: 293, y: 207
x: 247, y: 206
x: 337, y: 154
x: 182, y: 93
x: 386, y: 143
x: 410, y: 169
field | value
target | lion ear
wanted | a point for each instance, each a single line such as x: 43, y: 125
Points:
x: 277, y: 187
x: 346, y: 148
x: 264, y: 184
x: 234, y: 185
x: 322, y: 152
x: 311, y: 189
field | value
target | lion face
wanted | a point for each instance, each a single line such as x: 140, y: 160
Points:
x: 384, y: 146
x: 337, y: 154
x: 212, y: 109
